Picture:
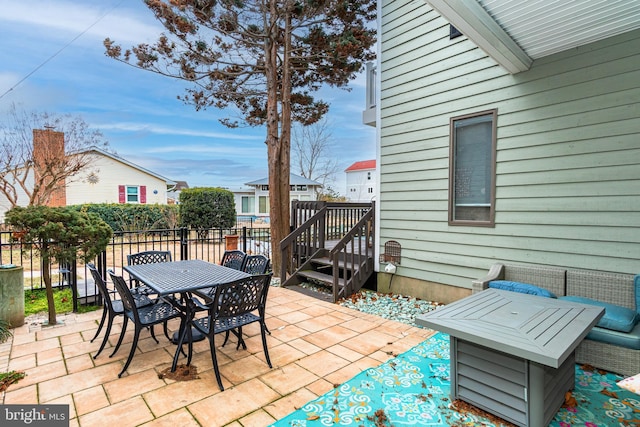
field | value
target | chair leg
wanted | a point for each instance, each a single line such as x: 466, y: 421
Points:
x: 106, y: 336
x: 238, y: 333
x: 134, y: 344
x: 104, y: 316
x: 124, y: 329
x: 166, y: 330
x: 214, y: 360
x: 226, y: 338
x: 153, y: 334
x: 264, y: 343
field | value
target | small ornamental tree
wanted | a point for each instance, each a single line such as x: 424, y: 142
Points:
x: 58, y: 234
x: 203, y: 208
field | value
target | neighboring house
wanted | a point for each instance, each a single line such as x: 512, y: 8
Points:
x: 361, y: 181
x: 254, y: 199
x: 108, y: 179
x: 112, y: 179
x: 517, y: 140
x: 173, y: 192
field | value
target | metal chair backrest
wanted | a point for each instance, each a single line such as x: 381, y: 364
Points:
x: 256, y: 264
x: 233, y: 259
x: 148, y: 257
x: 241, y: 297
x: 128, y: 302
x: 101, y: 284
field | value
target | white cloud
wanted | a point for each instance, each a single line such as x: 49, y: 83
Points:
x: 68, y: 19
x: 165, y: 130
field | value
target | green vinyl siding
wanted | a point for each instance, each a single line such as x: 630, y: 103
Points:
x: 567, y: 155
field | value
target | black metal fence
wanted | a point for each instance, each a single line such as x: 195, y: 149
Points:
x: 183, y: 243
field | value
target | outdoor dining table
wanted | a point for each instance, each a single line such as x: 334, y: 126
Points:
x: 183, y: 277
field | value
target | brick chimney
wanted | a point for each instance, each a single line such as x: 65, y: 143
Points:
x: 48, y: 149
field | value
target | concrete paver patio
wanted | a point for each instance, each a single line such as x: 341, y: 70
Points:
x: 313, y: 345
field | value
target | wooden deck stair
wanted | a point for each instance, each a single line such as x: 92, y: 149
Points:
x: 341, y: 264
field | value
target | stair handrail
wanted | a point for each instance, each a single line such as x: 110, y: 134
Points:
x: 357, y: 258
x: 318, y: 218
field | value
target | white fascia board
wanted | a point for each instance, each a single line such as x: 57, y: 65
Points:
x: 478, y: 26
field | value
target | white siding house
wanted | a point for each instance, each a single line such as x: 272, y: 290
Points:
x: 509, y: 142
x: 253, y: 200
x: 112, y: 179
x: 362, y: 181
x: 108, y: 179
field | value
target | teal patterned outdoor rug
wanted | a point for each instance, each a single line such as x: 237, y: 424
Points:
x: 413, y: 390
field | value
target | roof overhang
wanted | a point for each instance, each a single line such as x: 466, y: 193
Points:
x: 517, y: 32
x: 476, y: 24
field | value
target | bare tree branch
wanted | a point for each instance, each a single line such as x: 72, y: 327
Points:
x: 26, y: 180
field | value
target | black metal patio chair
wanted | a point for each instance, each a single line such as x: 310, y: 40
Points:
x: 256, y: 264
x: 233, y: 259
x: 146, y: 257
x: 234, y: 305
x: 142, y: 317
x: 111, y: 308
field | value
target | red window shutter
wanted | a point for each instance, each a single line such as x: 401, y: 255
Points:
x: 122, y: 197
x: 143, y: 194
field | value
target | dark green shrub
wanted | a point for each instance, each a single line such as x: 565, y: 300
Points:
x: 133, y: 217
x: 204, y: 208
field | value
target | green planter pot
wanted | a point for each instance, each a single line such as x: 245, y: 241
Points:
x: 12, y: 295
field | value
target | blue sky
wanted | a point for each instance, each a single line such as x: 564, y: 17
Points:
x: 136, y: 110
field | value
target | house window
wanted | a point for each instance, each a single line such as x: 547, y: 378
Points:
x: 264, y: 188
x: 368, y: 175
x: 248, y: 204
x: 472, y: 153
x: 263, y: 204
x: 370, y: 190
x: 301, y: 188
x: 132, y: 194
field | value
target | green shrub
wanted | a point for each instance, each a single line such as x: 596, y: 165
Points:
x: 205, y: 208
x: 133, y: 217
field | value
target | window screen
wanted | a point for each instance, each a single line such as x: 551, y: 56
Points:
x: 472, y: 168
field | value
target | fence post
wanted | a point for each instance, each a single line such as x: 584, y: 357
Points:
x: 73, y: 282
x: 101, y: 265
x: 184, y: 243
x: 244, y: 239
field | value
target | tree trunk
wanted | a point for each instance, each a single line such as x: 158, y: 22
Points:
x: 278, y: 170
x: 46, y: 277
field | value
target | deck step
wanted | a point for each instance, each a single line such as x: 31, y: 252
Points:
x: 327, y: 279
x: 325, y: 262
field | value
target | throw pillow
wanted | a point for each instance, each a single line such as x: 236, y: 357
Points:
x: 523, y: 288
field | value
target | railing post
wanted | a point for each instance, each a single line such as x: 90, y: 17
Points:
x: 184, y: 243
x: 244, y: 239
x: 73, y: 282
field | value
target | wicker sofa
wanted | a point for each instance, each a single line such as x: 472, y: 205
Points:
x: 603, y: 348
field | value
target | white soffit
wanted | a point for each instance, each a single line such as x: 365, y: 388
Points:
x: 545, y: 27
x: 540, y: 27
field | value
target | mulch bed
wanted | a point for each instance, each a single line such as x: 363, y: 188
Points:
x: 182, y: 373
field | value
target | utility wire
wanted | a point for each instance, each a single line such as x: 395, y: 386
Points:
x: 61, y: 49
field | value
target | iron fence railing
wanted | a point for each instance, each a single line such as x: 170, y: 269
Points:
x: 183, y: 243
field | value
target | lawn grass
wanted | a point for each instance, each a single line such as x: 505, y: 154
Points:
x: 36, y: 302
